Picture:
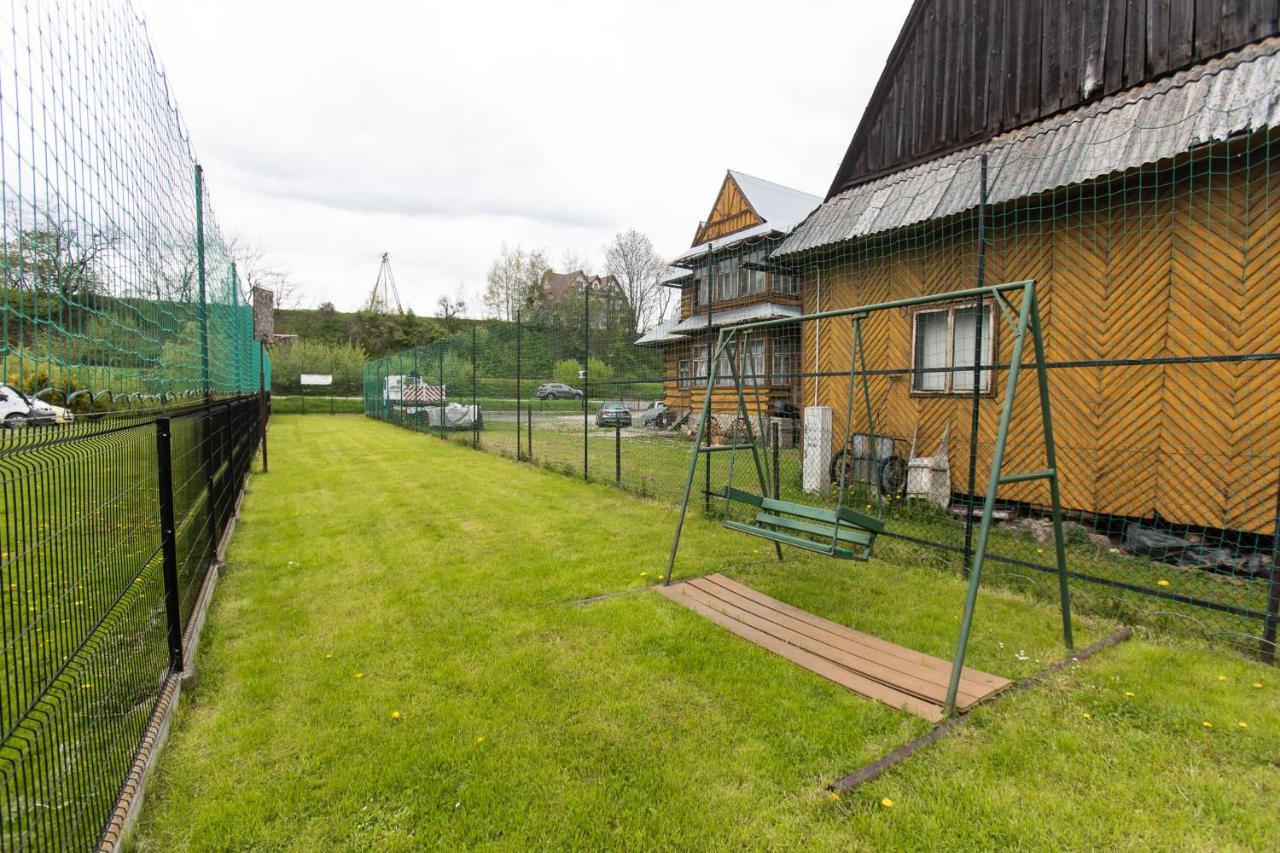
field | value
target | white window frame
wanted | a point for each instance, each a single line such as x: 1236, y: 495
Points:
x: 685, y: 373
x: 949, y: 370
x: 784, y: 351
x: 783, y: 284
x: 726, y: 280
x: 752, y: 282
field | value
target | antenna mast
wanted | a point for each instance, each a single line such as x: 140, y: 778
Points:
x: 385, y: 298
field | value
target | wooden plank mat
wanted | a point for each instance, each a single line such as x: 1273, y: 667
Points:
x: 867, y: 665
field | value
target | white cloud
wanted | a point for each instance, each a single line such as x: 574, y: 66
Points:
x: 331, y: 132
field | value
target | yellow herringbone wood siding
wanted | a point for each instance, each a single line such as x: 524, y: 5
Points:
x: 1175, y: 266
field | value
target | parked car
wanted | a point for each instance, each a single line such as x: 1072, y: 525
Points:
x: 557, y: 391
x: 45, y: 414
x: 613, y: 413
x: 652, y: 414
x: 19, y: 410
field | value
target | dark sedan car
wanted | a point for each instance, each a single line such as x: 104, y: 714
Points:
x: 557, y: 391
x: 613, y: 413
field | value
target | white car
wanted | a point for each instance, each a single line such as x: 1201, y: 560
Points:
x: 19, y: 410
x: 653, y: 414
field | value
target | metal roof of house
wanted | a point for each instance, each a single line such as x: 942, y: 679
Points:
x: 673, y: 276
x: 1219, y: 99
x: 733, y: 316
x: 780, y: 207
x: 660, y: 334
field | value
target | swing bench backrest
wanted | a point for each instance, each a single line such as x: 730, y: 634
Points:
x: 841, y: 532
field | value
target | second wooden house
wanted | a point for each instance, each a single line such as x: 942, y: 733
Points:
x: 722, y: 281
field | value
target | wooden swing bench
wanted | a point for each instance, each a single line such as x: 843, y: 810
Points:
x: 848, y: 535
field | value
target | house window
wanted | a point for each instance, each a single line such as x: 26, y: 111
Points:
x: 784, y: 285
x: 699, y: 376
x: 752, y: 281
x: 684, y: 374
x: 727, y: 280
x: 700, y: 294
x: 942, y: 349
x: 753, y: 363
x: 783, y: 351
x: 724, y: 369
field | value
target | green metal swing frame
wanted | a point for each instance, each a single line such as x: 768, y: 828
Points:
x: 852, y: 535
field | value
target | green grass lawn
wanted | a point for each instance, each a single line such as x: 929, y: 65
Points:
x: 396, y: 658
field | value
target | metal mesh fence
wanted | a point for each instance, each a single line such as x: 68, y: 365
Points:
x: 1151, y: 226
x: 128, y: 356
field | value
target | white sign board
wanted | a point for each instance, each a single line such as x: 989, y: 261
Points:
x: 315, y: 379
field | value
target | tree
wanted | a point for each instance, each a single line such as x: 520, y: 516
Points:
x: 255, y: 271
x: 53, y: 256
x: 514, y: 281
x: 566, y: 372
x: 450, y: 311
x: 638, y: 268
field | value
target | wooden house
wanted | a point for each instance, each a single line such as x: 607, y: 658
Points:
x: 1132, y: 171
x: 722, y: 281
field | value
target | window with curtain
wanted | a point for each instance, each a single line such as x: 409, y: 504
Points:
x: 753, y: 363
x: 684, y: 374
x: 751, y: 281
x: 942, y: 349
x: 783, y: 351
x: 727, y: 279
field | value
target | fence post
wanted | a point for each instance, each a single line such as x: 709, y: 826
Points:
x: 475, y: 409
x: 168, y: 542
x: 528, y: 420
x: 1268, y: 650
x: 977, y: 368
x: 518, y: 378
x: 200, y: 277
x: 773, y: 436
x: 617, y: 454
x: 262, y: 401
x: 441, y: 360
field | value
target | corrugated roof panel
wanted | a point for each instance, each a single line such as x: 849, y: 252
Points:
x: 1214, y: 101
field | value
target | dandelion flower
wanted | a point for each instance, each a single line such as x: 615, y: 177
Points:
x: 835, y: 795
x: 1222, y: 678
x: 1242, y: 724
x: 395, y: 715
x: 1162, y: 582
x: 1257, y: 685
x: 359, y: 675
x: 1130, y: 693
x: 479, y: 739
x: 1087, y: 715
x: 644, y: 574
x: 85, y: 686
x: 1207, y: 724
x: 887, y: 803
x: 329, y: 656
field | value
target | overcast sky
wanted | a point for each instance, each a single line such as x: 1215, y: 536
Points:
x: 331, y: 132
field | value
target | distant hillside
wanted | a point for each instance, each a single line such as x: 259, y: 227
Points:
x: 376, y: 334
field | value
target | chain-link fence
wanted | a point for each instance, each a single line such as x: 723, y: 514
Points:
x: 1151, y: 225
x: 130, y: 412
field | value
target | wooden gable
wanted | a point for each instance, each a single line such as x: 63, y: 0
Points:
x: 731, y: 213
x: 963, y: 71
